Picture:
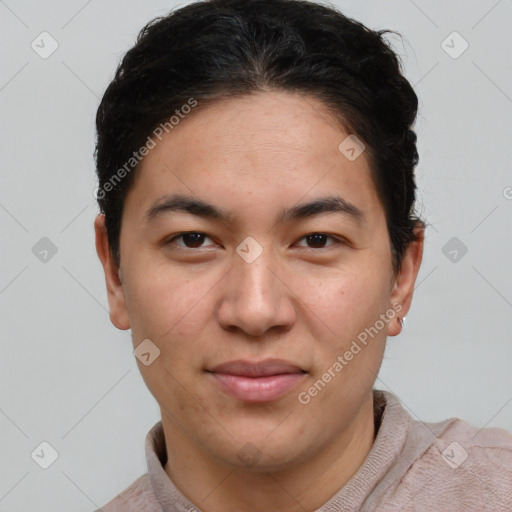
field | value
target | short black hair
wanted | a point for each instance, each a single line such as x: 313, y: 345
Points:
x: 218, y: 49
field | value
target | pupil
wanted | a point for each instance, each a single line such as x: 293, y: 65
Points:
x: 195, y: 238
x: 317, y: 239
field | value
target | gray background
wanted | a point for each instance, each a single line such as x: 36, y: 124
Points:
x: 68, y: 376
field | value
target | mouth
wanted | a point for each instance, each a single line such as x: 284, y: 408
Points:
x: 262, y: 381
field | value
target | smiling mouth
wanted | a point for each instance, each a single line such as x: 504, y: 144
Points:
x: 262, y: 381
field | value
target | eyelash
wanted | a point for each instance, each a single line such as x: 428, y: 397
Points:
x: 336, y: 240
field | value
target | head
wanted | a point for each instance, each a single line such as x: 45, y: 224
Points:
x: 278, y: 135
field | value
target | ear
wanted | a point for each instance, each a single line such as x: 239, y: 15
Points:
x: 115, y: 292
x: 403, y: 287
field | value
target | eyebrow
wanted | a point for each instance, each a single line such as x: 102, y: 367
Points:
x: 200, y: 208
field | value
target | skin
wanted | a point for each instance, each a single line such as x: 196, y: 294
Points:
x: 202, y: 304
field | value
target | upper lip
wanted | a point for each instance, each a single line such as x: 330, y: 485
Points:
x: 257, y: 368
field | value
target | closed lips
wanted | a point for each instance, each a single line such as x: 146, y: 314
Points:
x: 256, y: 369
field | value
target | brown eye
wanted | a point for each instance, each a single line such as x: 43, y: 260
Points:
x: 191, y: 239
x: 318, y: 240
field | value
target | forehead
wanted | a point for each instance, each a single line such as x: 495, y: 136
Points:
x: 278, y: 147
x: 261, y: 124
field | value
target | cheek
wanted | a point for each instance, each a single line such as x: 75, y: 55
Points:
x: 344, y: 302
x: 170, y: 313
x: 172, y: 389
x: 159, y: 301
x: 173, y: 312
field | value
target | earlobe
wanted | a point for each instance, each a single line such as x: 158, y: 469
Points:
x: 404, y: 284
x: 115, y: 291
x: 396, y: 324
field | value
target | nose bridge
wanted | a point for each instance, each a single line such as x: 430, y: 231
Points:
x: 254, y: 298
x: 254, y: 282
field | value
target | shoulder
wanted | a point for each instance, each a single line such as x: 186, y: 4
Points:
x: 138, y: 496
x: 461, y: 467
x: 461, y: 445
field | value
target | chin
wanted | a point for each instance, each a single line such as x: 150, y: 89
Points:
x: 259, y: 461
x: 259, y: 454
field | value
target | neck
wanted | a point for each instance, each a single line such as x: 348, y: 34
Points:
x: 305, y: 487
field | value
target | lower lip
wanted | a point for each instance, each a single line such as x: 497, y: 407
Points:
x: 258, y: 389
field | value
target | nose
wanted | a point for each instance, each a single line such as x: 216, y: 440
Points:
x: 256, y: 297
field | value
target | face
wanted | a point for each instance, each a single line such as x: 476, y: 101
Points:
x: 269, y: 314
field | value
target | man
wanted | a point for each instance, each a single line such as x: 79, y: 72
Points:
x: 256, y: 167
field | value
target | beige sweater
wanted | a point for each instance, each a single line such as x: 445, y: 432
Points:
x: 412, y: 467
